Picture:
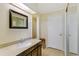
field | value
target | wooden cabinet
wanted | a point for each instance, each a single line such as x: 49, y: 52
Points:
x: 35, y: 50
x: 43, y: 42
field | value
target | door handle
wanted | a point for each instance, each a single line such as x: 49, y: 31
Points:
x: 69, y: 35
x: 60, y: 34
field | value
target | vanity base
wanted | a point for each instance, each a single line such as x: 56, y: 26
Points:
x: 35, y: 50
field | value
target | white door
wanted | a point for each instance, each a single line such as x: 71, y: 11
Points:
x: 55, y: 32
x: 73, y: 32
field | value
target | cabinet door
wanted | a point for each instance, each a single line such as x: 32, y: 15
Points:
x: 39, y: 51
x: 34, y: 52
x: 29, y: 54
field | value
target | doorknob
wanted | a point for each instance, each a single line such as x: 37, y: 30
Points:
x: 69, y: 35
x: 60, y: 34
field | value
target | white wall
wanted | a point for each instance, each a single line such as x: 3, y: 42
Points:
x: 78, y: 27
x: 43, y: 26
x: 7, y: 34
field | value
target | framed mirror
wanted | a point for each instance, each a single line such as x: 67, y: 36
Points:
x: 17, y: 20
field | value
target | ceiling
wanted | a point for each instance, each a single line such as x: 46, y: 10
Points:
x: 45, y: 7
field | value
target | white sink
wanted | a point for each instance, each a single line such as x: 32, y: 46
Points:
x: 24, y: 44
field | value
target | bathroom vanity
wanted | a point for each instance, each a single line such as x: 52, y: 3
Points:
x: 31, y: 47
x: 35, y: 50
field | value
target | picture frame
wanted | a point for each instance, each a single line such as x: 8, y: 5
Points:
x: 17, y: 20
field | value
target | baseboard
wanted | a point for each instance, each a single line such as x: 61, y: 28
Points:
x: 55, y: 48
x: 62, y: 50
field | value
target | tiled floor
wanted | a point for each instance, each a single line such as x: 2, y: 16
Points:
x: 54, y: 52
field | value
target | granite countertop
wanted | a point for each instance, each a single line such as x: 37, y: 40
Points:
x: 17, y: 48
